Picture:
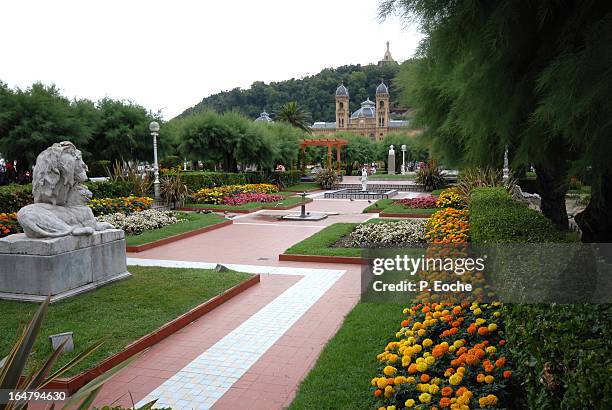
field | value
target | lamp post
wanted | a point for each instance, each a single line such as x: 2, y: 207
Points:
x: 404, y: 159
x: 506, y: 170
x: 154, y: 128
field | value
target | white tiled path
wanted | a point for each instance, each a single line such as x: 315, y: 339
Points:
x: 210, y: 375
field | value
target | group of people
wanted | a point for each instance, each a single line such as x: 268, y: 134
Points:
x: 369, y: 169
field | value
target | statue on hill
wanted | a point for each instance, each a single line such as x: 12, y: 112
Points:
x: 60, y: 198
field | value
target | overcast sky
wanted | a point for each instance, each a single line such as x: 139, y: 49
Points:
x: 168, y: 55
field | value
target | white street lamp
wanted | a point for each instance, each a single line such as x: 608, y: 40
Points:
x: 154, y: 128
x: 404, y: 159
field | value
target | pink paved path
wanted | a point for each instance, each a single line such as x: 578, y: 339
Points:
x: 272, y: 381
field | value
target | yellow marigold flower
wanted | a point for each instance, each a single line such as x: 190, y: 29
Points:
x: 389, y: 391
x: 489, y: 379
x: 393, y: 358
x: 410, y: 379
x: 422, y: 367
x: 433, y: 389
x: 389, y: 371
x: 427, y: 342
x: 430, y: 360
x: 409, y: 403
x: 390, y: 407
x: 381, y: 383
x: 455, y: 379
x: 492, y: 327
x: 458, y: 343
x: 421, y: 332
x: 425, y: 397
x: 491, y: 349
x: 477, y: 311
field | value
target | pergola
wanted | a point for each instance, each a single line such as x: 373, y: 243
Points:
x: 323, y: 142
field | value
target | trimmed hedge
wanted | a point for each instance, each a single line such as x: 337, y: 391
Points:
x: 497, y: 218
x: 14, y: 197
x: 199, y: 179
x: 109, y: 189
x: 99, y: 168
x: 561, y: 352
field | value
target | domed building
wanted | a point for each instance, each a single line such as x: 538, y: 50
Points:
x: 371, y: 120
x: 264, y: 117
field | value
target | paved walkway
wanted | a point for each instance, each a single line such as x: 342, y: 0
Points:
x: 253, y: 351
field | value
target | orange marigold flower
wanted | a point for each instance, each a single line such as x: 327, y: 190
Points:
x: 500, y: 362
x: 425, y: 378
x: 507, y: 374
x: 447, y: 391
x: 377, y: 392
x: 483, y: 330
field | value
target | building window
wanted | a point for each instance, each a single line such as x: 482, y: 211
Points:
x: 382, y: 103
x: 341, y: 106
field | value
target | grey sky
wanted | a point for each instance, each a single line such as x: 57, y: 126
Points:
x: 168, y: 55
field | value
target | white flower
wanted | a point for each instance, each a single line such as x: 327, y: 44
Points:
x: 389, y: 233
x: 138, y: 222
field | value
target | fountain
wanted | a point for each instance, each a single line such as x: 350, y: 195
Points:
x: 303, y: 215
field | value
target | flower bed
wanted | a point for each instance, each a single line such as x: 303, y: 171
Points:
x: 388, y: 233
x: 445, y: 356
x: 138, y: 222
x: 450, y: 198
x: 241, y: 199
x: 124, y: 205
x: 9, y: 224
x: 448, y: 225
x: 419, y: 203
x: 217, y: 195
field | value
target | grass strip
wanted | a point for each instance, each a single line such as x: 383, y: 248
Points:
x: 119, y: 313
x: 194, y: 221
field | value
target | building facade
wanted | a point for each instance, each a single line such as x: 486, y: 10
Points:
x: 371, y: 120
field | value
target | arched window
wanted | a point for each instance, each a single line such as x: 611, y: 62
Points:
x: 382, y: 103
x: 341, y: 106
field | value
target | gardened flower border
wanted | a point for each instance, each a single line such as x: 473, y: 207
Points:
x: 9, y: 224
x: 217, y: 195
x: 447, y: 355
x: 124, y: 205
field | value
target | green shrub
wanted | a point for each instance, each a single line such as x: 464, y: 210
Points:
x: 560, y: 352
x: 13, y: 197
x: 99, y: 168
x: 198, y: 180
x: 109, y: 189
x: 170, y: 162
x: 496, y: 217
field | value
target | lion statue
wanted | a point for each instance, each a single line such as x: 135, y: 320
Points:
x: 60, y: 198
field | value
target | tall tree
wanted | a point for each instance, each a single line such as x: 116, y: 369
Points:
x: 34, y: 118
x: 295, y: 115
x: 479, y: 82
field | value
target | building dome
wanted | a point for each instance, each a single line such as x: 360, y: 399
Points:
x: 264, y: 116
x: 342, y: 90
x: 367, y: 110
x: 382, y: 88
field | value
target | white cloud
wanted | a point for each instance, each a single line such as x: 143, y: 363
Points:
x: 168, y: 55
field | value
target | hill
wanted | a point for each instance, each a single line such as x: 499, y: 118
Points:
x: 315, y: 93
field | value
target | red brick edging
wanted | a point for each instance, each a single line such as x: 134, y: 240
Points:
x: 74, y: 383
x: 353, y: 260
x: 173, y: 238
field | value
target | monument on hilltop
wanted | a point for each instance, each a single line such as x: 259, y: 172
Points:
x: 64, y: 250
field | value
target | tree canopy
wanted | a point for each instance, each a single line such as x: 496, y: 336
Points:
x: 530, y: 75
x: 315, y: 93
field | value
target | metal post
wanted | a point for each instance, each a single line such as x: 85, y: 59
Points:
x: 154, y: 128
x: 303, y: 206
x: 506, y: 170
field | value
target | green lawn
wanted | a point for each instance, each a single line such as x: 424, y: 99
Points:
x: 400, y: 209
x: 290, y: 200
x: 389, y: 206
x: 194, y: 221
x: 340, y: 380
x: 408, y: 177
x: 320, y: 242
x: 304, y: 186
x: 379, y: 205
x: 119, y: 313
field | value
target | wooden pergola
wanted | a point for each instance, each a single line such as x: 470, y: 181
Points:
x: 323, y: 142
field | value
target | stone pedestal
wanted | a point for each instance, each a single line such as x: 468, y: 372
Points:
x: 391, y: 164
x: 31, y: 269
